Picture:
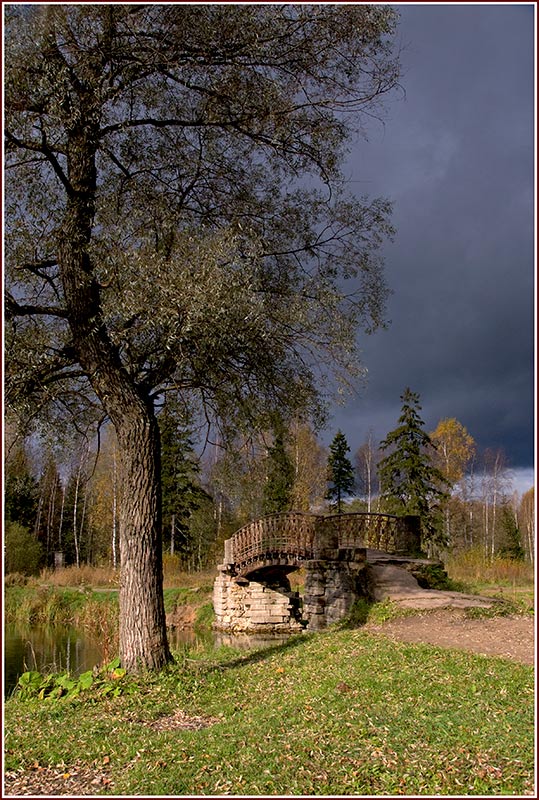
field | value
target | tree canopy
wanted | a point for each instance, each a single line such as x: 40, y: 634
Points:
x: 177, y: 221
x: 196, y: 151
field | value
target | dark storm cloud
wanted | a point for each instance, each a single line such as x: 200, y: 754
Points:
x: 456, y: 157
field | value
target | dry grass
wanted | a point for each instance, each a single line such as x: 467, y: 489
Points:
x: 84, y: 575
x: 473, y: 566
x: 106, y: 577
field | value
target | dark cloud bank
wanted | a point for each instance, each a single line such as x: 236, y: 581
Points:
x: 456, y: 156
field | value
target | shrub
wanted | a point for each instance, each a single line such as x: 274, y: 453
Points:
x: 23, y: 552
x: 432, y: 576
x: 205, y: 617
x: 359, y: 613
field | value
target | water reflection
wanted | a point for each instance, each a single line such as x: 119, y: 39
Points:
x: 178, y: 639
x: 55, y: 648
x: 65, y: 649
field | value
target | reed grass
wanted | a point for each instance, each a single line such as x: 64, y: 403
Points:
x: 85, y: 575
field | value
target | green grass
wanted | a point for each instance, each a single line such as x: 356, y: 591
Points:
x: 34, y: 604
x: 341, y: 712
x: 186, y: 595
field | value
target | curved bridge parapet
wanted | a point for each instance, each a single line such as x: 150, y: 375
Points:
x: 289, y: 538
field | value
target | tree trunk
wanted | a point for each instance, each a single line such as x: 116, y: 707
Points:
x: 143, y: 639
x: 75, y: 520
x: 143, y: 636
x: 61, y: 518
x: 114, y: 507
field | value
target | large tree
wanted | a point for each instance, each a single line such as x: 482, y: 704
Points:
x: 409, y: 481
x: 176, y: 221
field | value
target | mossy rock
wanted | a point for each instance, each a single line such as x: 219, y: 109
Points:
x: 431, y: 576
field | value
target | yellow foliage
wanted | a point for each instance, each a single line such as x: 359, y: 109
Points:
x: 455, y: 448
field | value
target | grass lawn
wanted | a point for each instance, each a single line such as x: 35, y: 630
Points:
x: 335, y: 713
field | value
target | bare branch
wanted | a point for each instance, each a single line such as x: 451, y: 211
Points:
x: 15, y: 309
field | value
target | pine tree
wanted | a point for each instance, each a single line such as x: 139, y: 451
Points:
x: 409, y: 482
x: 340, y: 472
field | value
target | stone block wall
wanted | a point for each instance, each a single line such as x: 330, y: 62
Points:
x: 331, y: 587
x: 254, y: 607
x: 332, y: 584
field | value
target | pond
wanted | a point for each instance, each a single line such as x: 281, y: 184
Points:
x: 60, y: 648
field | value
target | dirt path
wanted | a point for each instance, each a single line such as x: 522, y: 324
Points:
x: 509, y: 637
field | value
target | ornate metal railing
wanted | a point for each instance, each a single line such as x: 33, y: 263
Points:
x: 287, y: 534
x: 299, y: 536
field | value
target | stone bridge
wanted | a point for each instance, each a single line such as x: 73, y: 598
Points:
x: 252, y: 591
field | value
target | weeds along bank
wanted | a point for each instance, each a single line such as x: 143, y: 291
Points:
x: 474, y: 567
x: 87, y: 597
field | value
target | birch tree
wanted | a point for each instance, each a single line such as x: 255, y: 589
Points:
x: 526, y: 518
x: 455, y: 450
x: 494, y: 487
x: 309, y: 458
x: 366, y: 461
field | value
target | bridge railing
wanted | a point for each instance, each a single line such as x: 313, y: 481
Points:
x: 286, y: 533
x: 302, y: 535
x: 385, y: 532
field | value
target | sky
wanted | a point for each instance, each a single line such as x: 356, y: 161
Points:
x: 455, y: 155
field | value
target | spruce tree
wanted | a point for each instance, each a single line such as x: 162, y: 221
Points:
x: 181, y: 490
x: 280, y: 474
x: 409, y: 482
x: 340, y: 472
x: 512, y: 548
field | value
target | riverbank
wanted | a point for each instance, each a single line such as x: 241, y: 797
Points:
x: 381, y: 718
x: 59, y: 628
x: 94, y: 608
